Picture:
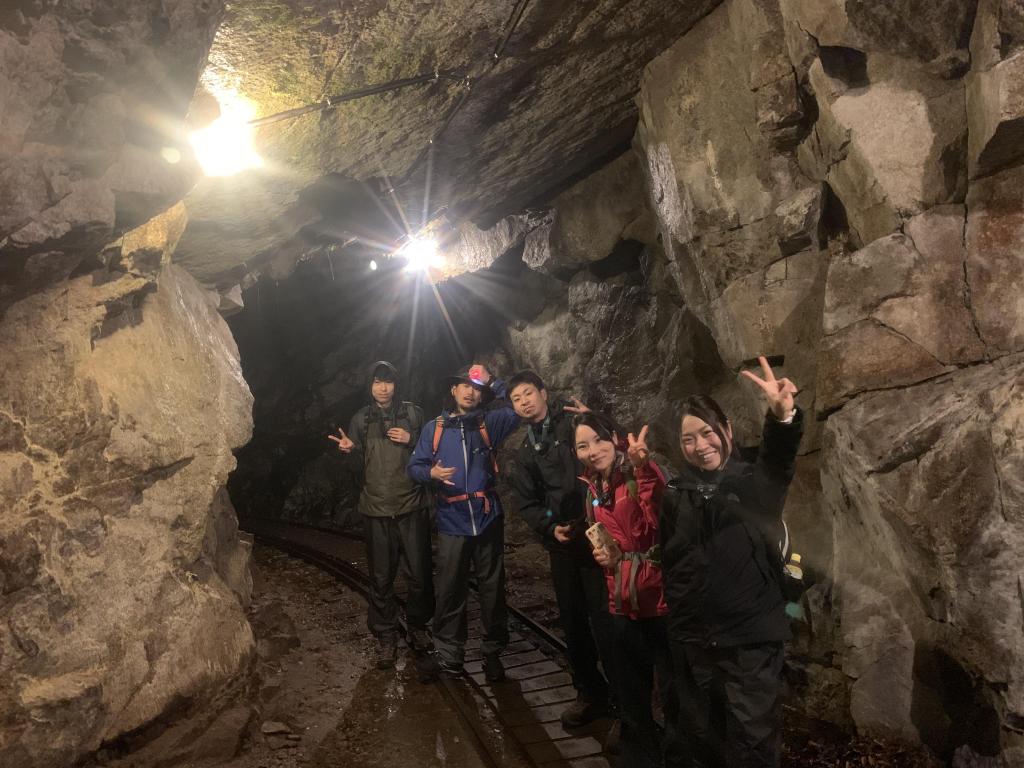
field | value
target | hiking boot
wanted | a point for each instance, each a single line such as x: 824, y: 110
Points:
x: 429, y: 669
x: 611, y: 741
x: 494, y: 671
x: 581, y: 712
x: 387, y: 652
x: 420, y: 640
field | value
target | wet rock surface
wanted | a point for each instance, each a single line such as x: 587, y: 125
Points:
x: 123, y: 574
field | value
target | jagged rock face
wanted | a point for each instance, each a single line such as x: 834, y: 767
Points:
x: 121, y: 571
x: 929, y: 482
x: 559, y: 98
x: 845, y: 191
x: 92, y: 92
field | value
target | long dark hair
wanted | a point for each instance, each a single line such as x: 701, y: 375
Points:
x: 707, y: 410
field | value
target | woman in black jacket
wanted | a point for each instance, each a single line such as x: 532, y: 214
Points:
x: 721, y: 528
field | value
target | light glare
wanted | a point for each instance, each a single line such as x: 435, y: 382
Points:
x: 421, y: 254
x: 225, y: 146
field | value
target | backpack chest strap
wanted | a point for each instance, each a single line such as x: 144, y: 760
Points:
x: 653, y: 556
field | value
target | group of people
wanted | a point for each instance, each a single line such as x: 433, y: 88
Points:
x: 667, y: 586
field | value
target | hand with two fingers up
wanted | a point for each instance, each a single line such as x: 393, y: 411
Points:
x: 345, y: 444
x: 778, y: 393
x: 637, y: 449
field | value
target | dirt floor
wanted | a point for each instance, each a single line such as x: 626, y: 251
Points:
x: 321, y: 702
x: 314, y: 700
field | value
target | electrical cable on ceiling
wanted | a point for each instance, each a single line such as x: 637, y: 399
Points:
x: 332, y: 102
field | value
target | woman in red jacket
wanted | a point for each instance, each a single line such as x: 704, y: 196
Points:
x: 625, y: 490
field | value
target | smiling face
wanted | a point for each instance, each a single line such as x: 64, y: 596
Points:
x: 466, y: 397
x: 702, y: 446
x: 382, y: 392
x: 596, y: 454
x: 530, y: 403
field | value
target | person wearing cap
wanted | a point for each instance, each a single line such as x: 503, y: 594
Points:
x: 396, y: 513
x: 456, y: 458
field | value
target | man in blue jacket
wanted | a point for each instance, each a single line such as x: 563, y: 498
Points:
x: 456, y: 455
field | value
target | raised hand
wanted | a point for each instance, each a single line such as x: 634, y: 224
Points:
x: 577, y: 407
x: 778, y: 392
x: 345, y: 444
x: 399, y: 436
x: 637, y: 447
x: 443, y: 474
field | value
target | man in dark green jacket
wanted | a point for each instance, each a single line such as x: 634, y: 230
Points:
x: 396, y: 518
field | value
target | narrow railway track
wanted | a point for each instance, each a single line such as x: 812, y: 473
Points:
x: 521, y: 713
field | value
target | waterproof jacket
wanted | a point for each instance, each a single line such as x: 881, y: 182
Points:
x: 387, y: 489
x: 629, y: 510
x: 546, y: 481
x: 471, y: 504
x: 721, y: 579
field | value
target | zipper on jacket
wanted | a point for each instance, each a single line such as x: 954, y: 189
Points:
x: 465, y: 461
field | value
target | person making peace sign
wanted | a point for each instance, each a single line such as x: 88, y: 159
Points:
x: 624, y: 496
x: 721, y: 528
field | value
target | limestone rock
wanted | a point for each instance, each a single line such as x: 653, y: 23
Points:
x: 147, y: 249
x: 130, y: 575
x: 923, y: 31
x: 924, y: 484
x: 472, y: 248
x: 590, y: 218
x: 885, y: 171
x: 716, y: 168
x: 995, y: 108
x: 92, y: 93
x: 995, y: 262
x: 898, y: 310
x: 237, y: 222
x: 998, y: 32
x: 798, y: 219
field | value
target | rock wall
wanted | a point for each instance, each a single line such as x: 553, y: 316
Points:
x: 838, y: 183
x: 122, y: 575
x: 93, y: 94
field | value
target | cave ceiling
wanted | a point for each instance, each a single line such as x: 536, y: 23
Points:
x: 558, y: 101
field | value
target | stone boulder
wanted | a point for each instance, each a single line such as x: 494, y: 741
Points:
x: 885, y: 171
x: 92, y: 94
x: 899, y: 310
x: 122, y: 573
x: 995, y: 100
x: 924, y: 485
x: 590, y: 218
x: 995, y: 260
x: 927, y: 32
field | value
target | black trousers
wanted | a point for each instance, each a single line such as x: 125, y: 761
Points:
x: 454, y: 556
x: 582, y: 596
x: 642, y: 655
x: 390, y: 541
x: 729, y: 703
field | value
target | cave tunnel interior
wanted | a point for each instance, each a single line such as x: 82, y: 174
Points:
x: 208, y: 215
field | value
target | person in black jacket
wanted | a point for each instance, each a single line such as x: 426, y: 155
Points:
x: 550, y: 497
x: 721, y: 528
x: 396, y: 512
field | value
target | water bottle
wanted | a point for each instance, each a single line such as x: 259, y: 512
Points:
x: 793, y: 567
